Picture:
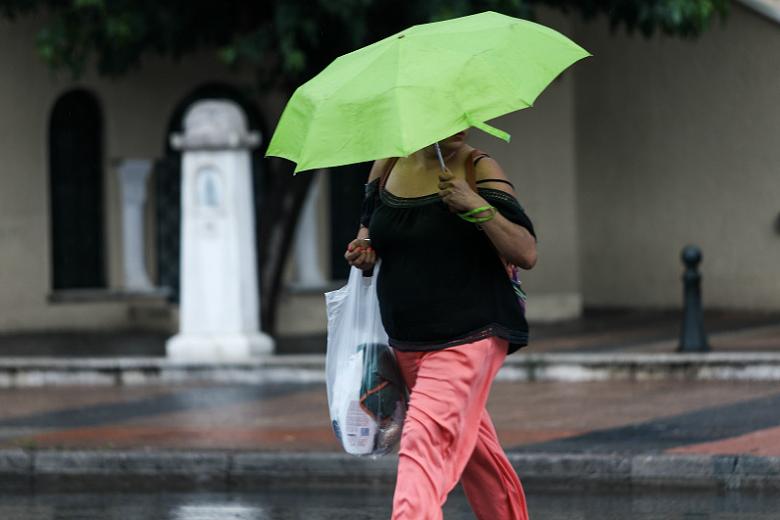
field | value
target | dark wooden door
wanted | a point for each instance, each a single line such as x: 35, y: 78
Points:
x: 76, y: 189
x: 347, y: 187
x: 167, y: 175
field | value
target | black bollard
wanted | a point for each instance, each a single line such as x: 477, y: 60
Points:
x: 692, y: 336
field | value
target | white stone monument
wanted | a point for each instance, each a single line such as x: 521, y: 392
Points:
x: 133, y: 174
x: 219, y: 306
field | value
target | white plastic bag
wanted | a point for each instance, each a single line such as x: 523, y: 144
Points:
x: 366, y: 395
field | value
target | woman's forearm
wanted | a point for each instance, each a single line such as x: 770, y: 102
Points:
x: 512, y: 241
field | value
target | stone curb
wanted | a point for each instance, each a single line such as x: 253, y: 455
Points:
x: 721, y: 366
x: 223, y: 470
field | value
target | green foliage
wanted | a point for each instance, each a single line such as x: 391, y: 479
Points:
x: 686, y: 18
x: 287, y: 41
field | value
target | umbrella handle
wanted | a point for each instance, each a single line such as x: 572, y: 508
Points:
x: 438, y: 154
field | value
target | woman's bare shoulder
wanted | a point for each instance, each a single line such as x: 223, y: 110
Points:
x: 489, y: 174
x: 377, y: 168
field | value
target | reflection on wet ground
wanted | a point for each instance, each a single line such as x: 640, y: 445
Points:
x: 361, y: 504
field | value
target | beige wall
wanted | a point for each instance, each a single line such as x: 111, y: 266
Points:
x: 136, y: 111
x: 677, y: 143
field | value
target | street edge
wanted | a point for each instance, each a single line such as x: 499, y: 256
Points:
x: 76, y: 469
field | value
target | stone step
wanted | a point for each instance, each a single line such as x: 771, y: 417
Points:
x: 727, y: 366
x: 234, y: 469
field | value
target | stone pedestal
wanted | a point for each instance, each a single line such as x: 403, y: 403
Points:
x: 133, y: 174
x: 219, y: 287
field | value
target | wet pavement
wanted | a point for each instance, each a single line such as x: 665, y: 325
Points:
x: 631, y: 417
x: 624, y: 417
x: 329, y: 504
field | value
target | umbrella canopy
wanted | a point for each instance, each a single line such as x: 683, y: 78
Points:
x: 419, y: 86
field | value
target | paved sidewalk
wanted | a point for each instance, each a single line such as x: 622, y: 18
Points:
x: 646, y: 417
x: 722, y: 435
x: 663, y: 432
x: 674, y: 430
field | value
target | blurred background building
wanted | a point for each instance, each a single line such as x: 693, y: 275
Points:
x: 648, y: 146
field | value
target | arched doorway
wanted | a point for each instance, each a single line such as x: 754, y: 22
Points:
x: 76, y: 191
x: 168, y: 179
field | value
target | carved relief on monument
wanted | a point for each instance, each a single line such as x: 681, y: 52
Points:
x: 208, y: 191
x: 209, y: 199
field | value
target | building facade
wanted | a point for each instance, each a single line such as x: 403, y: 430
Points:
x: 645, y: 147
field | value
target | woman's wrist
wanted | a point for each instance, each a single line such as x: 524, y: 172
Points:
x: 477, y: 203
x: 479, y: 215
x: 487, y: 211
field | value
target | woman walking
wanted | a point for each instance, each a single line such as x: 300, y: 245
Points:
x: 452, y: 316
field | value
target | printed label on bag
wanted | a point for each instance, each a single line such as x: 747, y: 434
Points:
x: 358, y: 428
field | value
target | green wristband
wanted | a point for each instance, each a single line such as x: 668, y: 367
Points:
x: 468, y: 216
x: 475, y: 211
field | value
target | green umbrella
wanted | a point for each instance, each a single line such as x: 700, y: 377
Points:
x: 419, y: 86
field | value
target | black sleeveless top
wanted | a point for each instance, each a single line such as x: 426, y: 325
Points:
x: 442, y: 282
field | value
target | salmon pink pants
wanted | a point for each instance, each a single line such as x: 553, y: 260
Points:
x: 448, y: 436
